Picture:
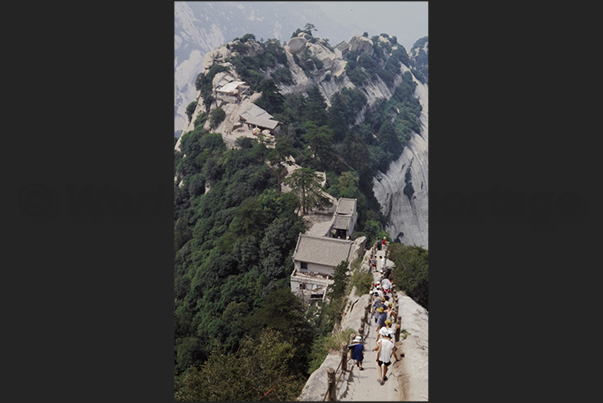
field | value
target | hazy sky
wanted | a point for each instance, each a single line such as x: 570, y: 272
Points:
x: 407, y: 21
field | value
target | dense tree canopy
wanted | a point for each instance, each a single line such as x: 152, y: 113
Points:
x: 320, y: 141
x: 257, y: 371
x: 232, y: 243
x: 271, y: 100
x: 411, y: 271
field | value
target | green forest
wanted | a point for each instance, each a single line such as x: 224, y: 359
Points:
x: 240, y: 334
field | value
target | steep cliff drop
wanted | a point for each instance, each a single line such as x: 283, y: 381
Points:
x: 402, y: 190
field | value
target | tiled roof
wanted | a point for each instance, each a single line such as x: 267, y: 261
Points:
x: 230, y: 86
x: 259, y: 117
x: 255, y: 111
x: 343, y: 45
x: 266, y: 123
x: 342, y: 222
x: 346, y: 206
x: 226, y: 78
x: 322, y: 250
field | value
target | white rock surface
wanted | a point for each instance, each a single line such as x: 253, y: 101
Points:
x: 331, y: 65
x: 296, y: 44
x: 415, y: 364
x: 361, y: 44
x: 317, y: 383
x: 322, y: 53
x: 408, y: 217
x: 215, y: 56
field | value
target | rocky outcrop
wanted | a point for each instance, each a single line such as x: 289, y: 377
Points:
x: 296, y: 44
x: 322, y: 53
x: 361, y: 44
x: 408, y: 215
x: 218, y: 55
x: 414, y: 369
x: 334, y: 67
x: 317, y: 384
x: 302, y: 82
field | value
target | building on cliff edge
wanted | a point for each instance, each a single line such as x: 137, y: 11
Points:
x: 315, y: 259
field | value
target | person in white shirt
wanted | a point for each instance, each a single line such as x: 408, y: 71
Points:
x: 391, y: 314
x: 386, y: 284
x: 385, y: 349
x: 387, y: 329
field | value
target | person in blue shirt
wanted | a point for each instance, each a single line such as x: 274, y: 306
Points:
x: 379, y: 303
x: 357, y: 349
x: 381, y: 319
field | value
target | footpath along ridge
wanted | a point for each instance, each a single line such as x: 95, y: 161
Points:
x: 407, y: 377
x: 363, y: 385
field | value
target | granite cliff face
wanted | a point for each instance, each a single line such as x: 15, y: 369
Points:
x: 334, y: 66
x: 408, y: 216
x: 361, y: 44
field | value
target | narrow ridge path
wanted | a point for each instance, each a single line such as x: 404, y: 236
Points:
x: 363, y: 385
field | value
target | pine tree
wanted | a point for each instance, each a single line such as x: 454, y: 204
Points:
x: 320, y: 140
x: 271, y: 100
x: 305, y: 183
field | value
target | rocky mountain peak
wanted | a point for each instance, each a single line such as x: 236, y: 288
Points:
x: 296, y: 44
x: 361, y: 44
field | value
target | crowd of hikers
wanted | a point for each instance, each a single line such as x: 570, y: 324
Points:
x: 384, y: 316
